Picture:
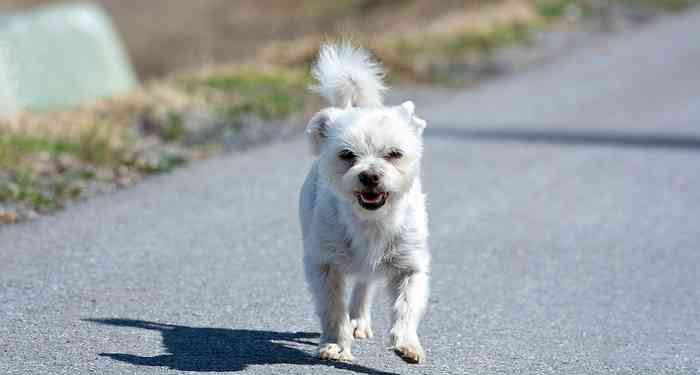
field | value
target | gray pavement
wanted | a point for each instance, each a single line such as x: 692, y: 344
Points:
x: 565, y: 226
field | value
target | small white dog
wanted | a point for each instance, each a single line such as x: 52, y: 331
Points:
x: 361, y: 208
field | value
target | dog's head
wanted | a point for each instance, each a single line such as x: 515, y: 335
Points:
x: 369, y: 157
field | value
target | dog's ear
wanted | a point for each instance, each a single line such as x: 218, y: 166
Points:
x: 408, y: 110
x: 320, y: 123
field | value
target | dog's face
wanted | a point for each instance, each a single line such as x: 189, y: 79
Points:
x: 369, y: 157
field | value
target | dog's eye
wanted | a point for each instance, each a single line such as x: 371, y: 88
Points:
x: 394, y: 154
x: 347, y: 155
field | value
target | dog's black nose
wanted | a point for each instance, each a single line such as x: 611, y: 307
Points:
x: 369, y: 179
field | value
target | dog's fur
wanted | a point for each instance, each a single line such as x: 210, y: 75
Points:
x: 372, y: 230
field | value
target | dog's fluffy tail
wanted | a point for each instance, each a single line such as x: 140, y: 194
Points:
x: 348, y: 76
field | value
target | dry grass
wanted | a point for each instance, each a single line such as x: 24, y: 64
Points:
x: 47, y: 160
x: 408, y: 51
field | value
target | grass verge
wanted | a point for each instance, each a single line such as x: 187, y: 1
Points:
x: 49, y: 160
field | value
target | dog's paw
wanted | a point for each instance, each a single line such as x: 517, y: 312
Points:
x: 361, y: 329
x: 334, y: 352
x: 410, y: 353
x: 407, y: 347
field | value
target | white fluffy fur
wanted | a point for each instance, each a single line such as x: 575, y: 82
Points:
x: 347, y: 76
x: 342, y: 239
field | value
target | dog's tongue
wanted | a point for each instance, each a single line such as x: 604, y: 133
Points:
x: 371, y: 197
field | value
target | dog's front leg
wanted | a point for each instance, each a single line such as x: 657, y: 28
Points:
x: 328, y: 285
x: 409, y: 292
x: 360, y: 310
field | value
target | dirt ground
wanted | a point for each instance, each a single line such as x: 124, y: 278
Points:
x: 163, y: 36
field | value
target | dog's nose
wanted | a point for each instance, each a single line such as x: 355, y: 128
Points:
x: 369, y: 179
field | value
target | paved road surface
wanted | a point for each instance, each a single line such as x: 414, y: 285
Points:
x: 565, y: 209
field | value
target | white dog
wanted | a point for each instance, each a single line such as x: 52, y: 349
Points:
x: 362, y: 209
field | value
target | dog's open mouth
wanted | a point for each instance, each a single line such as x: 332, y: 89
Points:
x: 372, y: 200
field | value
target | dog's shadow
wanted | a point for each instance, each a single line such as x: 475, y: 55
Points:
x: 220, y: 349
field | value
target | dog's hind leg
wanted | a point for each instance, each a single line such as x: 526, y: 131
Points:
x: 328, y: 286
x: 409, y: 292
x: 360, y: 306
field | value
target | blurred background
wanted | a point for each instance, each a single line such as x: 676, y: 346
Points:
x: 98, y: 95
x: 164, y: 36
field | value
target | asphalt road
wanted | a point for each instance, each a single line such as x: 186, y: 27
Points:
x: 565, y: 226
